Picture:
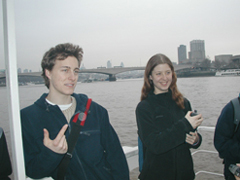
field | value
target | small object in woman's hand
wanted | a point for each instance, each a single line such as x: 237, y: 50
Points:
x: 194, y: 113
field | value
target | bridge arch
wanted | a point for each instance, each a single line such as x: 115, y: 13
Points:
x: 113, y: 71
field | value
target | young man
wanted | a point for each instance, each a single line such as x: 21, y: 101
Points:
x: 227, y: 139
x: 47, y: 123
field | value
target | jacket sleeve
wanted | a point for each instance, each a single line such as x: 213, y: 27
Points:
x: 40, y: 161
x: 227, y: 146
x: 5, y: 163
x: 159, y: 142
x: 115, y: 155
x: 196, y: 145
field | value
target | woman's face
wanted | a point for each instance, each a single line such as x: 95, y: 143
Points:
x: 162, y: 78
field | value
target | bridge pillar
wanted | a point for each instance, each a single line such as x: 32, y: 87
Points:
x: 112, y: 77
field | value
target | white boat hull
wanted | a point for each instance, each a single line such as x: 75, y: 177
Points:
x: 229, y: 72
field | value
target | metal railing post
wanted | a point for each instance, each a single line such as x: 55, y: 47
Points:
x: 12, y: 89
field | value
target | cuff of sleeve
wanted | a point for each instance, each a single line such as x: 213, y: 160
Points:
x: 187, y: 126
x: 51, y: 157
x: 197, y: 144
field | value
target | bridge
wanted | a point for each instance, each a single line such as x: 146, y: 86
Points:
x: 108, y: 71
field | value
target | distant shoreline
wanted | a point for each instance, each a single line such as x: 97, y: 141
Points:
x: 196, y: 74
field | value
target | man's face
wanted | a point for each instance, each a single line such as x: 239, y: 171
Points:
x: 63, y: 77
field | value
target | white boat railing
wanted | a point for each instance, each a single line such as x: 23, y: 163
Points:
x: 207, y: 172
x: 210, y: 129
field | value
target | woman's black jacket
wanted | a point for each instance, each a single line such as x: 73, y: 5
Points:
x: 162, y: 127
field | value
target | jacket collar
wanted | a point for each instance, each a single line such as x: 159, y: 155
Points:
x: 81, y: 100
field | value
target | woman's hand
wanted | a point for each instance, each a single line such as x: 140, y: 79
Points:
x: 237, y: 178
x: 195, y: 121
x: 192, y: 138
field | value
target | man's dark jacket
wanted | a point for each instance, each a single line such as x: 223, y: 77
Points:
x: 98, y: 154
x: 162, y: 127
x: 226, y: 141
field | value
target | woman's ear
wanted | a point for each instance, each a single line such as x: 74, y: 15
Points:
x: 150, y: 77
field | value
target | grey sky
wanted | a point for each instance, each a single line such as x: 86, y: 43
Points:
x: 128, y: 31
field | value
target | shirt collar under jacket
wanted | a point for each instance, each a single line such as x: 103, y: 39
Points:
x: 81, y: 100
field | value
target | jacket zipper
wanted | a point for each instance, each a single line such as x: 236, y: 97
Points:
x: 84, y: 173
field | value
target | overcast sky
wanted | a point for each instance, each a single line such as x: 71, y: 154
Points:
x: 128, y: 31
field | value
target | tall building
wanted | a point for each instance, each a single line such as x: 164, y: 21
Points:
x: 109, y: 64
x: 25, y: 70
x: 182, y: 53
x: 122, y: 65
x: 197, y: 51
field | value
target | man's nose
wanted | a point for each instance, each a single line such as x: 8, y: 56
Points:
x: 72, y: 75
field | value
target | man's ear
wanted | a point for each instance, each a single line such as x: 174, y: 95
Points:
x: 48, y: 73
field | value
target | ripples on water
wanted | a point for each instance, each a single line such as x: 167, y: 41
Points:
x: 208, y: 95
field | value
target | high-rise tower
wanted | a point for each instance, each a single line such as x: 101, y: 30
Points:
x: 182, y: 53
x: 109, y: 64
x: 197, y: 51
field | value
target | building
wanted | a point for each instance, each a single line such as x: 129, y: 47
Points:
x: 122, y: 64
x: 197, y: 51
x: 109, y: 64
x: 19, y: 70
x: 236, y: 60
x: 182, y: 54
x: 25, y: 70
x: 226, y: 58
x: 2, y: 71
x: 82, y: 66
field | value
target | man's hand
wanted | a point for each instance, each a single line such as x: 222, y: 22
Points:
x: 192, y: 138
x: 59, y: 144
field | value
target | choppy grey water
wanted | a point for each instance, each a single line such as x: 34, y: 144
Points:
x: 208, y: 95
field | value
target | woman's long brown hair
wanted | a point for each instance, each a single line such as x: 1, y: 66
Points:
x: 148, y: 85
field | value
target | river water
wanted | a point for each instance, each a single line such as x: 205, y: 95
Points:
x: 207, y: 95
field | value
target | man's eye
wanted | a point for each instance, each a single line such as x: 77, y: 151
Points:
x: 76, y: 71
x: 65, y: 70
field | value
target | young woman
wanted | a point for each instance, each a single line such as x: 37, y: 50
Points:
x: 165, y: 125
